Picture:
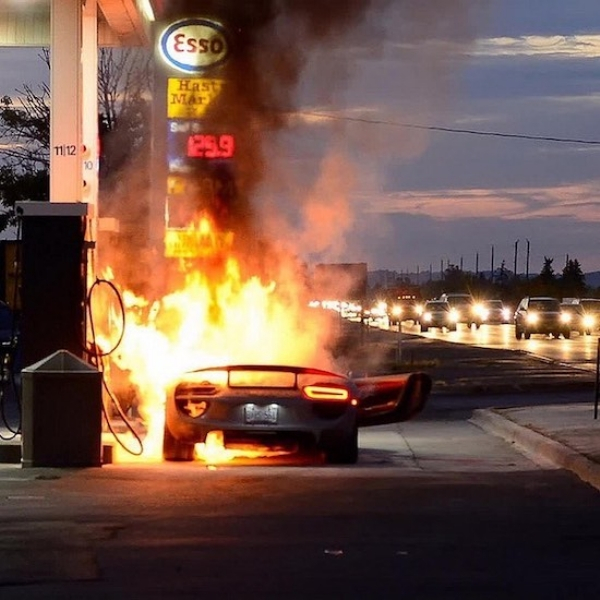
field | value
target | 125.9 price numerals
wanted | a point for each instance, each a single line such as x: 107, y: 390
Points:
x: 203, y: 145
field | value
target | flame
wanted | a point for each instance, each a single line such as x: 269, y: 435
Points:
x: 214, y: 452
x: 215, y: 317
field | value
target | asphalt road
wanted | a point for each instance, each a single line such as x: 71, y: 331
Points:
x: 435, y: 508
x: 579, y: 350
x: 460, y: 363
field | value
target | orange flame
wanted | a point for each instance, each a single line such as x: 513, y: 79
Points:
x: 209, y: 321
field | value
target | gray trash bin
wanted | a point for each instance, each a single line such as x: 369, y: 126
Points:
x: 62, y: 413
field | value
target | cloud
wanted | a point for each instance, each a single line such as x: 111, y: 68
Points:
x: 539, y: 46
x: 574, y: 202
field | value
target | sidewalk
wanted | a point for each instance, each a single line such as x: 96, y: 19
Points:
x: 566, y: 436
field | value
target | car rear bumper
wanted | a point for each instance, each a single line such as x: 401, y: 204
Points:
x: 303, y: 424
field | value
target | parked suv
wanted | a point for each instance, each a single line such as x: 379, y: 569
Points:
x: 541, y: 314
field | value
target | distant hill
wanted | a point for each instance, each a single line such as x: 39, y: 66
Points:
x: 593, y: 279
x: 385, y: 278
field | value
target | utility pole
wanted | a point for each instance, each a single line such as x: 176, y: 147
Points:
x: 492, y: 267
x: 477, y: 264
x: 527, y: 263
x: 516, y: 250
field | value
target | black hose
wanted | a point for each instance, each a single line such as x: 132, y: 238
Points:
x: 97, y: 358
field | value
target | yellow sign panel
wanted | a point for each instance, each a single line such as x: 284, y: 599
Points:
x: 189, y: 98
x: 190, y: 243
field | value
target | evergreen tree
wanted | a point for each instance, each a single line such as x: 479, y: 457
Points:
x: 573, y: 280
x: 547, y: 275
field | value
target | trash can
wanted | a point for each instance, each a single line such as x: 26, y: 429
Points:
x: 62, y: 413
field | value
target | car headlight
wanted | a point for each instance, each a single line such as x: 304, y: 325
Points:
x: 565, y: 317
x: 426, y: 316
x: 589, y: 321
x: 505, y: 314
x: 419, y: 309
x: 532, y: 318
x: 478, y: 309
x: 454, y: 316
x: 397, y: 311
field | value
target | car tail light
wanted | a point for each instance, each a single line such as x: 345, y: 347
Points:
x: 326, y: 392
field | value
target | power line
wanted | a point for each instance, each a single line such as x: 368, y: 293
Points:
x: 520, y: 136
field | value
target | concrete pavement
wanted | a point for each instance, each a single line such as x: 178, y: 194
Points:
x: 565, y: 435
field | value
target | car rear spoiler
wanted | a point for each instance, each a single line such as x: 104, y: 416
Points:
x: 392, y: 398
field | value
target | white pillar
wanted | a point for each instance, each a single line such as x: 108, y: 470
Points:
x: 65, y: 97
x: 89, y: 65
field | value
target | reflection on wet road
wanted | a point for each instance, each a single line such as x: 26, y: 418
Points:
x: 579, y: 350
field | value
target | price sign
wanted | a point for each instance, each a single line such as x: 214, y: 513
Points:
x: 207, y: 145
x: 189, y: 140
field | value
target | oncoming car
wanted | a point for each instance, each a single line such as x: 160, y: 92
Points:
x: 467, y: 310
x: 541, y: 315
x: 591, y: 314
x: 403, y: 309
x: 495, y: 312
x: 574, y: 316
x: 438, y: 313
x: 287, y: 407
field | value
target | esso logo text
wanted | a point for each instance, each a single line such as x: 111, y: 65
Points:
x: 194, y: 45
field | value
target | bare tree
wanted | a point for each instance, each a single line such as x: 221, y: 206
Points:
x: 124, y: 78
x: 124, y: 95
x: 25, y: 126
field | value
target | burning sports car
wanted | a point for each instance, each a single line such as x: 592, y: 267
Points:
x: 285, y: 407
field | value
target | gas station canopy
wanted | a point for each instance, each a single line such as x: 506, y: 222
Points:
x: 120, y: 22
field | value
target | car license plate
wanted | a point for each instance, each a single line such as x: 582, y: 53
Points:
x: 260, y: 415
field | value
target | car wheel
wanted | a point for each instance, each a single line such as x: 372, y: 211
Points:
x: 424, y: 328
x: 588, y: 332
x: 452, y: 328
x: 566, y: 334
x: 346, y: 452
x: 526, y: 334
x: 173, y: 449
x: 518, y: 333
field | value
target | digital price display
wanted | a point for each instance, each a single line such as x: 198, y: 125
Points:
x: 191, y: 140
x: 207, y: 145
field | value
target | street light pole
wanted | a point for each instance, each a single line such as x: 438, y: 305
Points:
x: 516, y: 250
x: 527, y: 263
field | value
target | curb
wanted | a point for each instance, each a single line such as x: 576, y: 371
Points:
x: 491, y: 421
x: 442, y: 388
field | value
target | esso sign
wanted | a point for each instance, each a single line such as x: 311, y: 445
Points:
x: 194, y: 45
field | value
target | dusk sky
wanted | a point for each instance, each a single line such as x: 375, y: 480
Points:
x: 509, y: 66
x: 410, y: 197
